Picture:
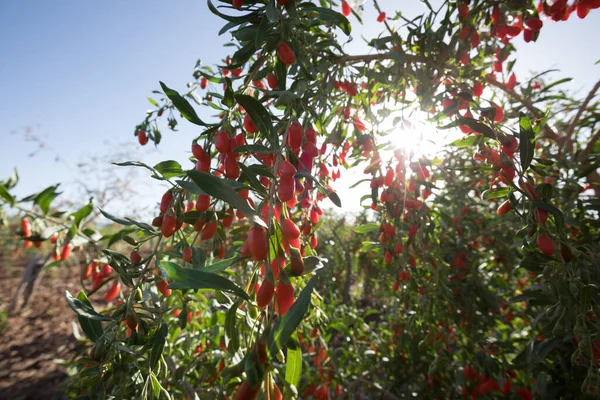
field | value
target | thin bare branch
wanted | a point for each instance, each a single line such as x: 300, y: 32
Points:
x: 590, y: 145
x: 582, y: 108
x: 548, y: 131
x: 367, y: 58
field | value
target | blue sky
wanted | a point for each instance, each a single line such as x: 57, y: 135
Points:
x: 79, y: 73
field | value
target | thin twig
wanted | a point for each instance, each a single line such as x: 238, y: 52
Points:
x: 366, y: 58
x: 549, y: 132
x: 590, y: 145
x: 582, y: 108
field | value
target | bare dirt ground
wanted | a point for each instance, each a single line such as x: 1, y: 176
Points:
x: 35, y: 337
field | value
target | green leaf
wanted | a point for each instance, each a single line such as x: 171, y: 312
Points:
x: 156, y: 388
x: 185, y: 278
x: 158, y: 344
x: 254, y: 370
x: 260, y: 116
x: 222, y: 265
x: 253, y: 148
x: 313, y: 263
x: 553, y: 84
x: 115, y: 219
x: 466, y: 141
x: 11, y: 181
x: 328, y: 16
x: 228, y: 99
x: 240, y: 19
x: 182, y: 105
x: 218, y: 188
x: 152, y: 101
x: 155, y: 173
x: 335, y: 199
x: 52, y: 264
x: 263, y: 31
x: 143, y: 226
x: 121, y: 234
x: 366, y: 228
x: 7, y: 196
x: 251, y: 177
x: 83, y: 212
x: 198, y: 258
x: 169, y: 169
x: 190, y: 187
x: 45, y: 197
x: 479, y: 127
x: 526, y: 143
x: 492, y: 194
x: 84, y: 310
x: 286, y: 326
x: 242, y: 56
x: 559, y: 218
x: 293, y: 364
x: 92, y: 328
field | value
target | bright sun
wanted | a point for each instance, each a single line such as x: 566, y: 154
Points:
x: 418, y: 136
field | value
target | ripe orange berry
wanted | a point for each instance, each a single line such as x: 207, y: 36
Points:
x: 199, y: 224
x: 346, y: 10
x: 209, y: 230
x: 157, y: 221
x: 245, y: 391
x: 463, y: 10
x: 286, y: 189
x: 203, y: 83
x: 165, y: 201
x: 198, y: 152
x: 142, y: 138
x: 249, y: 125
x: 412, y: 231
x: 297, y: 266
x: 168, y: 226
x: 503, y: 208
x: 534, y: 24
x: 272, y: 81
x: 388, y: 257
x: 258, y: 244
x: 161, y: 285
x: 135, y: 257
x: 87, y: 272
x: 26, y: 227
x: 187, y: 254
x: 540, y: 216
x: 499, y: 113
x: 290, y: 229
x: 202, y: 203
x: 294, y: 135
x: 276, y: 393
x: 265, y: 294
x: 285, y: 297
x: 113, y: 292
x: 131, y: 321
x: 222, y: 142
x: 66, y: 251
x: 106, y: 271
x: 286, y: 169
x: 545, y: 244
x: 285, y: 53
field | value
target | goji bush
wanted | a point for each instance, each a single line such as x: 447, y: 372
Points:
x: 473, y: 274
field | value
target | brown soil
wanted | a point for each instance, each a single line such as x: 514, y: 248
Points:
x: 34, y: 338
